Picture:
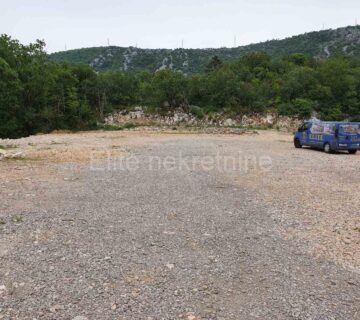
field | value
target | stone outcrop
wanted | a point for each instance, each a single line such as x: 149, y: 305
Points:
x: 138, y: 116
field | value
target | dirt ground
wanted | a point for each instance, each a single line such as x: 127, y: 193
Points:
x: 312, y: 198
x: 317, y: 195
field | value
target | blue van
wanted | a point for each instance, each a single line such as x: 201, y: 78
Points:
x: 329, y: 136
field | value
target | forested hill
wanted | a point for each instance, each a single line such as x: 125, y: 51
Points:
x: 322, y: 44
x: 40, y: 95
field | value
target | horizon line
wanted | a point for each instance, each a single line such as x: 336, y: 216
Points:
x: 207, y: 48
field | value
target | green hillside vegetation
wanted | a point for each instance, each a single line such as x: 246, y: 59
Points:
x: 38, y: 94
x: 321, y: 44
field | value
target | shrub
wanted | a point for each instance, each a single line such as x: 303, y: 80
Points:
x: 197, y: 111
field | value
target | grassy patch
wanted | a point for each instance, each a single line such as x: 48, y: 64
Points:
x: 61, y: 131
x: 8, y: 146
x: 2, y: 221
x: 251, y: 127
x: 245, y: 128
x: 112, y: 127
x: 58, y: 143
x: 130, y: 125
x: 20, y: 158
x: 17, y: 219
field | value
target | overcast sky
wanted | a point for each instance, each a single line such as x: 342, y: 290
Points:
x: 165, y: 23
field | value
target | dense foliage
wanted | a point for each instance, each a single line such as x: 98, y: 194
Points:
x: 40, y: 95
x: 320, y: 44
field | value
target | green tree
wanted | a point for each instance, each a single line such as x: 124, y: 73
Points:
x: 167, y: 91
x: 11, y: 121
x: 214, y: 64
x: 299, y: 107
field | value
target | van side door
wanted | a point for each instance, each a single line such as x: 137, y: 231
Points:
x: 316, y: 135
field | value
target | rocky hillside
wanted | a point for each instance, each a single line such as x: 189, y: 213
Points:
x: 321, y: 44
x: 181, y: 118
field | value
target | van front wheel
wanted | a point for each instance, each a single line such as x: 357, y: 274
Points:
x: 327, y: 148
x: 352, y: 151
x: 297, y: 143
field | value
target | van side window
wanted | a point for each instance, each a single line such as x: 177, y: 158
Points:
x: 305, y: 126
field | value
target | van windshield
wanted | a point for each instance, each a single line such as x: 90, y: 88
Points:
x: 350, y: 129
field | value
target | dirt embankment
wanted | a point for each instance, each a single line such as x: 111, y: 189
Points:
x: 258, y: 120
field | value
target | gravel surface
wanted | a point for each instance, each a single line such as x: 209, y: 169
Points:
x: 169, y: 242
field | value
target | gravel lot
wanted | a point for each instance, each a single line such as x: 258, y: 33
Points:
x: 152, y: 229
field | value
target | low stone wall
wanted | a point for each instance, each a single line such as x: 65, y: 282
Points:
x: 138, y: 116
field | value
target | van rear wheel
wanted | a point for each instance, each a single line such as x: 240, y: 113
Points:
x: 352, y: 151
x: 297, y: 144
x: 327, y: 148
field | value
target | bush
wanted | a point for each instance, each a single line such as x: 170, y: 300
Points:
x: 129, y: 125
x: 197, y: 112
x: 301, y: 108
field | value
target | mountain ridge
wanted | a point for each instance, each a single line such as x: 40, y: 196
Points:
x: 318, y: 44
